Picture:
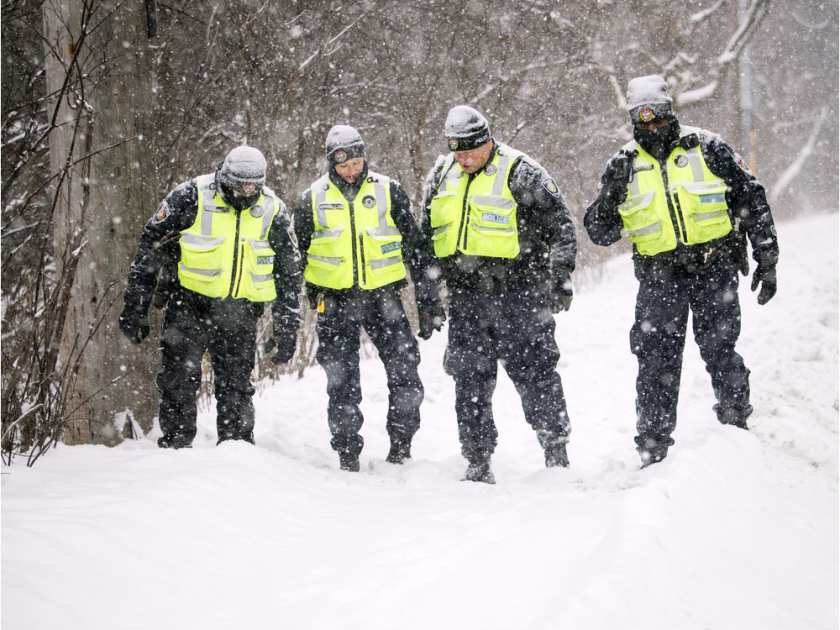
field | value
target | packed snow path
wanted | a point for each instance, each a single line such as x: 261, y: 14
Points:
x: 733, y: 530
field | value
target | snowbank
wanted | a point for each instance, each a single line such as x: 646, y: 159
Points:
x: 734, y: 530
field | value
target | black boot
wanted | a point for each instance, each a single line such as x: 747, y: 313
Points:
x: 174, y: 440
x: 348, y: 461
x: 652, y: 455
x: 555, y: 455
x: 653, y: 449
x: 479, y: 468
x: 400, y: 451
x: 245, y: 437
x: 735, y: 416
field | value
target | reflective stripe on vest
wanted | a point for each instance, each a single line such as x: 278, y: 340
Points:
x: 697, y: 196
x: 354, y: 243
x: 217, y: 260
x: 476, y: 216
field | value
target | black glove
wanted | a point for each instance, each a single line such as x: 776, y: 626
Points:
x: 431, y: 319
x: 283, y: 345
x: 618, y: 174
x: 561, y: 294
x: 766, y: 275
x: 133, y: 326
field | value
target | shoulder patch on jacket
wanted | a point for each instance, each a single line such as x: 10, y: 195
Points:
x: 550, y: 186
x: 741, y: 162
x: 162, y: 213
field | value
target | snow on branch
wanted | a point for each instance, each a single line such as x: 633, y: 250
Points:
x: 702, y: 15
x: 795, y: 167
x: 736, y: 43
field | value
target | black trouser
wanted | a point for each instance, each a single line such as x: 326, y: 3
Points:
x: 227, y: 330
x: 516, y: 328
x: 666, y: 294
x: 381, y: 313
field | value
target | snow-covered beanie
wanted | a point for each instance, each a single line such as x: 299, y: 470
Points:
x: 243, y: 165
x: 465, y: 128
x: 241, y: 176
x: 648, y: 98
x: 344, y: 143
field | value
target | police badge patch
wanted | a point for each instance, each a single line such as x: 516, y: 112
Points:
x: 681, y: 161
x: 162, y: 213
x: 550, y: 187
x: 744, y: 166
x: 646, y: 114
x: 368, y: 201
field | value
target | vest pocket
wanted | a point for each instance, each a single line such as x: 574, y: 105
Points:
x: 444, y: 213
x: 641, y: 222
x: 705, y: 211
x: 257, y: 280
x: 201, y: 258
x: 382, y: 257
x: 492, y: 229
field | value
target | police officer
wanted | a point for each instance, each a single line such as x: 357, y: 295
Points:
x: 684, y: 199
x: 235, y: 253
x: 506, y: 247
x: 358, y: 234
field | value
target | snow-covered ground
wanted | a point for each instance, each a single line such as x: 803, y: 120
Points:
x: 734, y: 530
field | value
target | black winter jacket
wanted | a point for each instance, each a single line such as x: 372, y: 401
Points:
x: 158, y: 254
x: 415, y: 250
x: 746, y: 199
x: 546, y: 234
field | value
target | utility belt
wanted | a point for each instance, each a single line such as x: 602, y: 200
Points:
x: 490, y: 276
x: 316, y: 294
x: 180, y: 297
x: 693, y: 258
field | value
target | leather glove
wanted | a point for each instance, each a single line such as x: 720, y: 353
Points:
x: 431, y: 319
x: 133, y: 326
x: 283, y: 345
x: 561, y: 294
x: 766, y: 276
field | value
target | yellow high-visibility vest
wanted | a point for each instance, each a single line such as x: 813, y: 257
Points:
x: 226, y: 253
x: 476, y: 216
x: 354, y: 242
x: 696, y: 195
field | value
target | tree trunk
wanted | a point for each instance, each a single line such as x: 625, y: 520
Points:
x: 102, y: 204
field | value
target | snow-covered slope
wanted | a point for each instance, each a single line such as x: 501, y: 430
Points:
x: 734, y: 530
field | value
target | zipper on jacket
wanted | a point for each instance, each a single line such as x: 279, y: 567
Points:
x: 462, y: 232
x: 663, y: 170
x: 351, y: 206
x: 236, y: 272
x: 680, y: 218
x: 241, y: 268
x: 362, y: 262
